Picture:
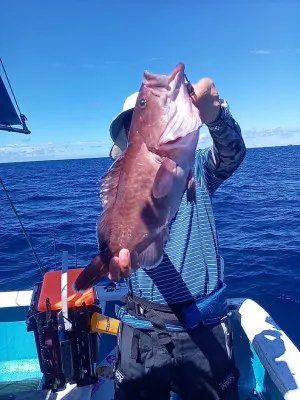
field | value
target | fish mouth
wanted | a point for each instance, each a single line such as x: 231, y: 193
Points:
x: 183, y: 117
x: 175, y: 74
x: 164, y: 83
x: 179, y: 117
x: 175, y: 80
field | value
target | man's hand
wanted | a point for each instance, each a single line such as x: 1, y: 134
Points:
x: 122, y: 266
x: 206, y: 99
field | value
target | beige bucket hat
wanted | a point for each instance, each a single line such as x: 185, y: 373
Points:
x: 119, y: 126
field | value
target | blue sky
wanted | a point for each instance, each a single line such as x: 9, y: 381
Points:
x: 73, y: 62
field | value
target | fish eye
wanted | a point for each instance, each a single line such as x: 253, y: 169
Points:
x: 142, y: 103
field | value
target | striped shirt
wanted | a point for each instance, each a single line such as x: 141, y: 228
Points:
x: 192, y: 266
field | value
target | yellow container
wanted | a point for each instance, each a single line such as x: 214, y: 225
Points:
x: 102, y: 324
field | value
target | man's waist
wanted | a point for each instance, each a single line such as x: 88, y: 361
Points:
x: 183, y: 316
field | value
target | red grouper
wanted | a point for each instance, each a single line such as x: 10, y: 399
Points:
x: 143, y: 189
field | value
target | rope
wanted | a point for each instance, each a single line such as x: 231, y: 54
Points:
x: 11, y: 89
x: 42, y: 269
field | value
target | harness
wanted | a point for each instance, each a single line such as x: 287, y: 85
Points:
x: 186, y: 315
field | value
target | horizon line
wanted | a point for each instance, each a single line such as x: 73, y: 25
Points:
x: 95, y: 157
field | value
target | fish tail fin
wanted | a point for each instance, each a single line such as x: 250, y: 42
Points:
x: 92, y: 274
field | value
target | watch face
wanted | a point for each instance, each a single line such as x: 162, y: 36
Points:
x: 224, y: 103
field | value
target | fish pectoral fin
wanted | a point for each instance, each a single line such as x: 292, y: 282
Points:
x: 164, y: 179
x: 152, y: 256
x: 191, y: 188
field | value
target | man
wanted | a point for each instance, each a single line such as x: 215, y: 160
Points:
x: 175, y: 334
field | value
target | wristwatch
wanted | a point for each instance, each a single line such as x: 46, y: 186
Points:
x: 223, y: 118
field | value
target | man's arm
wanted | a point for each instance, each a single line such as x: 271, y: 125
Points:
x: 228, y: 149
x: 217, y: 163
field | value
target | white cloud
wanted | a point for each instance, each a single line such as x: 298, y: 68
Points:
x: 277, y: 131
x: 53, y: 151
x: 279, y: 136
x: 262, y: 52
x: 13, y: 152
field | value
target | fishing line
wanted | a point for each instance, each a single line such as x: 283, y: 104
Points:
x: 42, y: 269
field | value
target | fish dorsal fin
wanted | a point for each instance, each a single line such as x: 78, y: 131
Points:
x: 108, y: 193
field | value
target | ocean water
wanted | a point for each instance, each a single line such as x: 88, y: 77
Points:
x: 257, y: 213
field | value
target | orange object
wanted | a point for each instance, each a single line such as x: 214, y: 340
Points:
x: 51, y: 288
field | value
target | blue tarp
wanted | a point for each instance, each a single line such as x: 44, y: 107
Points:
x: 8, y: 114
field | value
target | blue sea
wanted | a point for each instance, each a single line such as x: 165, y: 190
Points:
x: 257, y: 214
